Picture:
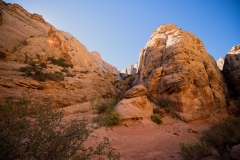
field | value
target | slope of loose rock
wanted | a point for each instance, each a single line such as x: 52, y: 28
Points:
x: 231, y: 69
x: 175, y: 66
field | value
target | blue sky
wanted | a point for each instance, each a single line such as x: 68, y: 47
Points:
x: 118, y: 29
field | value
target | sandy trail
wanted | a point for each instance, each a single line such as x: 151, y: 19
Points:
x: 146, y: 140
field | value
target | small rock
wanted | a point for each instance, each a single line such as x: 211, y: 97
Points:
x: 235, y: 152
x: 175, y: 133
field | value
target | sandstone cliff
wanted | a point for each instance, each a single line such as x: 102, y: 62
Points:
x: 36, y: 57
x: 104, y: 66
x: 175, y: 67
x: 132, y: 69
x: 231, y: 69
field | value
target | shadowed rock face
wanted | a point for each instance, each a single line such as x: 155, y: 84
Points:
x: 175, y: 66
x: 231, y: 69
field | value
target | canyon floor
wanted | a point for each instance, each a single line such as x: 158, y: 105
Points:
x: 146, y: 140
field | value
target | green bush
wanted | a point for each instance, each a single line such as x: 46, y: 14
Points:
x: 167, y: 105
x: 156, y: 118
x: 194, y: 151
x: 36, y: 73
x: 36, y: 131
x: 107, y: 116
x: 60, y: 62
x: 106, y: 107
x: 43, y: 65
x: 108, y: 119
x: 223, y: 136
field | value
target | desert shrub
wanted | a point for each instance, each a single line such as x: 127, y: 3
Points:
x: 43, y: 65
x: 156, y: 118
x: 108, y: 119
x: 195, y: 151
x: 57, y: 76
x: 36, y: 131
x: 14, y: 48
x: 106, y: 107
x: 3, y: 55
x: 36, y: 73
x: 65, y: 70
x: 167, y: 105
x: 69, y: 74
x: 107, y: 115
x: 223, y: 136
x: 59, y: 62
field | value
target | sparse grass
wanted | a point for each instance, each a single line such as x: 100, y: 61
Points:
x: 156, y: 118
x: 36, y: 131
x: 195, y: 151
x: 60, y: 62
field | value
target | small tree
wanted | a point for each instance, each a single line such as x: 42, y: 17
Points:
x: 36, y: 131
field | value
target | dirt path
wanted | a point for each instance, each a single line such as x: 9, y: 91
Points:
x: 146, y: 140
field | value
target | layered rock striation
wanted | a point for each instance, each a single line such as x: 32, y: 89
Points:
x: 175, y: 67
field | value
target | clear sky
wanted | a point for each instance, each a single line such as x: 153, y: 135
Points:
x: 118, y: 29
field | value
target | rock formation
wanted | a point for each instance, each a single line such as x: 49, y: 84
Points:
x: 220, y: 63
x: 175, y: 66
x: 135, y: 104
x: 132, y: 69
x: 231, y: 69
x: 104, y: 66
x: 36, y: 57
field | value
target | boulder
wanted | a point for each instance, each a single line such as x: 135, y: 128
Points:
x: 174, y: 65
x: 231, y: 69
x: 134, y: 108
x: 235, y: 152
x: 135, y: 91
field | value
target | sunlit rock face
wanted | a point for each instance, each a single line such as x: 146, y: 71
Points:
x: 28, y: 41
x: 104, y: 66
x: 175, y: 67
x: 130, y: 70
x: 220, y: 62
x: 231, y: 69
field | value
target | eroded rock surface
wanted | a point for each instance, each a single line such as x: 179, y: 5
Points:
x: 231, y: 69
x: 175, y: 66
